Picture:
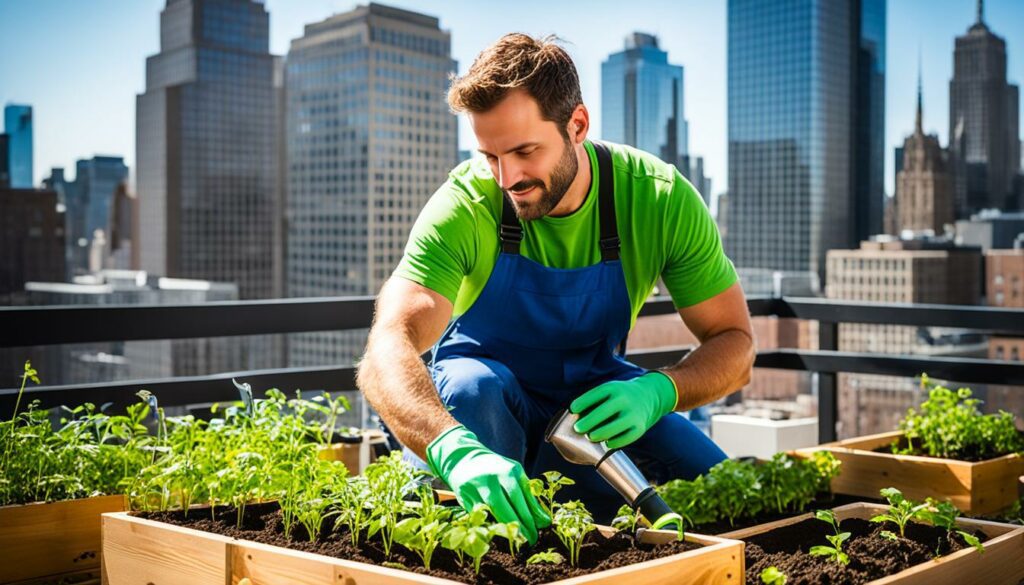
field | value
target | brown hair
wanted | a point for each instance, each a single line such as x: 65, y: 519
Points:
x: 519, y: 61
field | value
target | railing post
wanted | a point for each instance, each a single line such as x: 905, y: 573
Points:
x: 828, y: 397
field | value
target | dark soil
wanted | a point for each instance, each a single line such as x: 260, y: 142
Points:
x: 971, y: 456
x: 871, y: 555
x: 723, y: 526
x: 262, y: 523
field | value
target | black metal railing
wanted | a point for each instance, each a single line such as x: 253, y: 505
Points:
x: 53, y: 325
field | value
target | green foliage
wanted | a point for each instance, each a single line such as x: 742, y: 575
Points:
x: 470, y: 535
x: 950, y: 425
x: 972, y: 540
x: 734, y: 490
x: 549, y: 556
x: 773, y: 576
x: 571, y: 523
x: 545, y: 490
x: 423, y: 532
x: 901, y: 510
x: 834, y: 552
x: 389, y: 480
x: 626, y: 519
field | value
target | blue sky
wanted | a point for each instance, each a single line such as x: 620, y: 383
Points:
x: 80, y: 63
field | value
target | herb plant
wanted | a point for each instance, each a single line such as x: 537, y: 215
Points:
x: 834, y: 552
x: 572, y: 522
x: 773, y: 576
x: 545, y: 490
x: 549, y: 556
x: 901, y: 510
x: 949, y: 424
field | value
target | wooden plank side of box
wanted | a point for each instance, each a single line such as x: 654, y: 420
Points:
x: 54, y: 538
x: 1001, y: 563
x: 718, y: 561
x: 138, y: 551
x: 975, y: 488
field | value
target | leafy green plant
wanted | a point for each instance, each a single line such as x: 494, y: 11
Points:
x: 353, y: 501
x: 549, y: 556
x: 773, y: 576
x: 626, y: 519
x: 571, y: 523
x: 834, y: 552
x: 390, y: 479
x: 470, y: 535
x: 901, y: 510
x: 944, y: 515
x: 512, y: 532
x: 735, y: 488
x: 545, y: 490
x: 950, y: 425
x: 423, y: 532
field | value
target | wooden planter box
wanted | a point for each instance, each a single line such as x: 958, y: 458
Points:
x: 1001, y: 563
x: 975, y: 488
x: 54, y: 539
x: 137, y: 551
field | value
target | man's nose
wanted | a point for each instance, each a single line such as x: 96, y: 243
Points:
x: 508, y: 174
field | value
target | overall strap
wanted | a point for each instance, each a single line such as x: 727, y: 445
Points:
x: 510, y: 232
x: 606, y: 201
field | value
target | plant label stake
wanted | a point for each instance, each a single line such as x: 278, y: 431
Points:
x: 614, y: 466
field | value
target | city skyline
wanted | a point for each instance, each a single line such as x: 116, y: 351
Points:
x: 98, y: 119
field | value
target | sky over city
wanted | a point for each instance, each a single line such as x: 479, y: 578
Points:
x: 80, y: 63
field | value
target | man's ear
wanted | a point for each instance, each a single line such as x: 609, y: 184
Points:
x: 579, y: 124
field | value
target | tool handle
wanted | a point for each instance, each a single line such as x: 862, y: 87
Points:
x: 652, y: 507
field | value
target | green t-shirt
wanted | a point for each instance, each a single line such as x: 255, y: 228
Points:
x: 665, y: 229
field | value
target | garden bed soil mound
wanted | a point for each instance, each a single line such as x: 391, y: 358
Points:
x: 262, y: 523
x: 723, y: 526
x: 968, y: 456
x: 872, y: 556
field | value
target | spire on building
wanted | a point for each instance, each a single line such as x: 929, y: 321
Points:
x: 981, y: 11
x: 917, y: 121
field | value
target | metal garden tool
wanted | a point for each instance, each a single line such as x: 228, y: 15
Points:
x: 614, y: 466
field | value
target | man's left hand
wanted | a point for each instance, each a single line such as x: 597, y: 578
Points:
x: 620, y: 412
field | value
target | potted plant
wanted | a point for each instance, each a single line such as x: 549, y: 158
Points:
x: 946, y: 449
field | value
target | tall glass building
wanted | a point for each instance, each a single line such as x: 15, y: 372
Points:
x: 18, y: 127
x: 369, y: 139
x: 206, y: 148
x: 642, y: 100
x: 87, y: 201
x: 806, y: 117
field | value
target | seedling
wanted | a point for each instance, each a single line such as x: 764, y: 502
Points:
x: 545, y: 490
x: 944, y: 515
x: 834, y: 552
x: 549, y: 556
x: 773, y: 576
x: 572, y: 523
x: 626, y: 519
x: 470, y: 534
x: 511, y: 532
x: 900, y: 509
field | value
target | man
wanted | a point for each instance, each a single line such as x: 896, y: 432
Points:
x: 544, y: 250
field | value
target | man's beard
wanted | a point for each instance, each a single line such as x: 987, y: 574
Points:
x: 550, y: 196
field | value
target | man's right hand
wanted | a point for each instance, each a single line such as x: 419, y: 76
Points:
x: 478, y: 475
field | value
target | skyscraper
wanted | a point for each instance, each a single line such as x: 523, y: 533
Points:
x: 369, y: 139
x: 642, y: 100
x: 18, y: 127
x: 924, y: 188
x: 206, y: 149
x: 5, y: 162
x: 984, y: 134
x: 87, y: 201
x: 806, y: 81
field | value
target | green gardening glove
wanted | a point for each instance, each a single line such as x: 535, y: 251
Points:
x: 478, y: 475
x: 620, y: 412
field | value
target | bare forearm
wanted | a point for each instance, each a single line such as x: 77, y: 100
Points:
x: 396, y: 383
x: 719, y: 366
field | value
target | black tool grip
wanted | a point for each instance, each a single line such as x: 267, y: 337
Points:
x: 652, y: 507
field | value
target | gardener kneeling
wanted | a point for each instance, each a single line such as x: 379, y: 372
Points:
x: 544, y: 250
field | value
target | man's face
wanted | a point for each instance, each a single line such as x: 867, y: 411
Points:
x: 531, y: 160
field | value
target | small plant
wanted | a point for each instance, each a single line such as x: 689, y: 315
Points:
x: 545, y: 490
x: 511, y: 532
x: 572, y: 522
x: 944, y: 515
x: 549, y: 556
x: 390, y: 479
x: 626, y: 519
x: 470, y: 534
x: 773, y: 576
x: 949, y: 424
x: 901, y: 510
x: 735, y: 487
x: 834, y: 552
x: 422, y: 534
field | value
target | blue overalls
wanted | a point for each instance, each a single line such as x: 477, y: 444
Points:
x: 538, y: 337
